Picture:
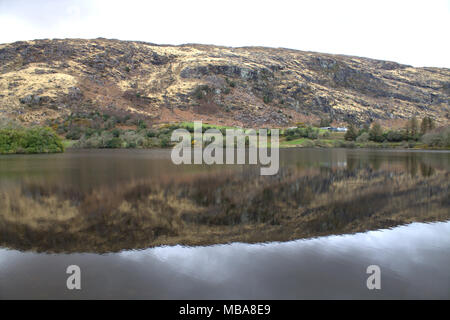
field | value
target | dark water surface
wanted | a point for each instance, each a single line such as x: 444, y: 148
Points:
x: 140, y: 227
x: 413, y: 259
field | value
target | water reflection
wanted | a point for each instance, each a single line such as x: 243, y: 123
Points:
x: 413, y: 261
x: 108, y: 201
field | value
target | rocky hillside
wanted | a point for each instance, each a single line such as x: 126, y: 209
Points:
x: 252, y: 86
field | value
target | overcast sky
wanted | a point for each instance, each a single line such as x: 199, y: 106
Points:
x: 411, y: 32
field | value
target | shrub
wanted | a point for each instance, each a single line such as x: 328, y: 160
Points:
x: 394, y: 136
x: 437, y: 139
x: 267, y: 99
x: 141, y: 124
x: 351, y: 133
x: 165, y: 142
x: 290, y: 132
x: 376, y: 133
x: 152, y: 133
x: 116, y: 133
x: 365, y: 128
x: 166, y: 131
x: 93, y: 141
x: 324, y: 135
x: 364, y: 137
x: 133, y: 139
x: 113, y: 143
x: 201, y: 91
x: 312, y: 133
x: 29, y: 140
x: 308, y: 132
x: 74, y: 133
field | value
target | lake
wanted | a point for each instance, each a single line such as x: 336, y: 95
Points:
x: 141, y: 227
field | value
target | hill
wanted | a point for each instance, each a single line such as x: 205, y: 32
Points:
x: 252, y: 86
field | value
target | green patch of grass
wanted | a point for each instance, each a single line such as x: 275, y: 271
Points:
x: 68, y: 143
x: 294, y: 142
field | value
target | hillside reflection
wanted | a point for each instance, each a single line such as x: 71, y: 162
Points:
x: 314, y: 194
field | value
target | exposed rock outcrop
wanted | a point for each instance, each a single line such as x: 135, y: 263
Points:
x: 44, y: 79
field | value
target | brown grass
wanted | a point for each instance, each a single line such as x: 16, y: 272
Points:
x: 105, y: 70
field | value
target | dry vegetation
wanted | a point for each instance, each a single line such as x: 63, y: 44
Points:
x: 46, y: 79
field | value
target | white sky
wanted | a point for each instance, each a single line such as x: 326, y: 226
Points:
x: 411, y: 32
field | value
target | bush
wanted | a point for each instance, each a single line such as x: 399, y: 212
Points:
x: 133, y: 139
x: 89, y: 141
x: 376, y: 133
x: 308, y: 132
x: 116, y: 133
x: 152, y: 133
x: 437, y: 139
x: 165, y: 131
x: 74, y: 133
x: 165, y: 142
x: 312, y: 133
x: 141, y: 124
x: 29, y: 140
x: 267, y: 99
x: 394, y: 136
x: 364, y: 137
x: 201, y: 91
x: 113, y: 143
x: 351, y: 133
x: 365, y: 128
x: 325, y: 135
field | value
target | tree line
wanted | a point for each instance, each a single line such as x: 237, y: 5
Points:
x: 414, y: 130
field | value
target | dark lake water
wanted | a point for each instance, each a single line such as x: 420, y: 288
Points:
x: 140, y: 227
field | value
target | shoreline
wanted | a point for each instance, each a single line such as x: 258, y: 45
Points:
x: 368, y: 148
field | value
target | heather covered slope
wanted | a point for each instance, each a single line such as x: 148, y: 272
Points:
x: 251, y: 86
